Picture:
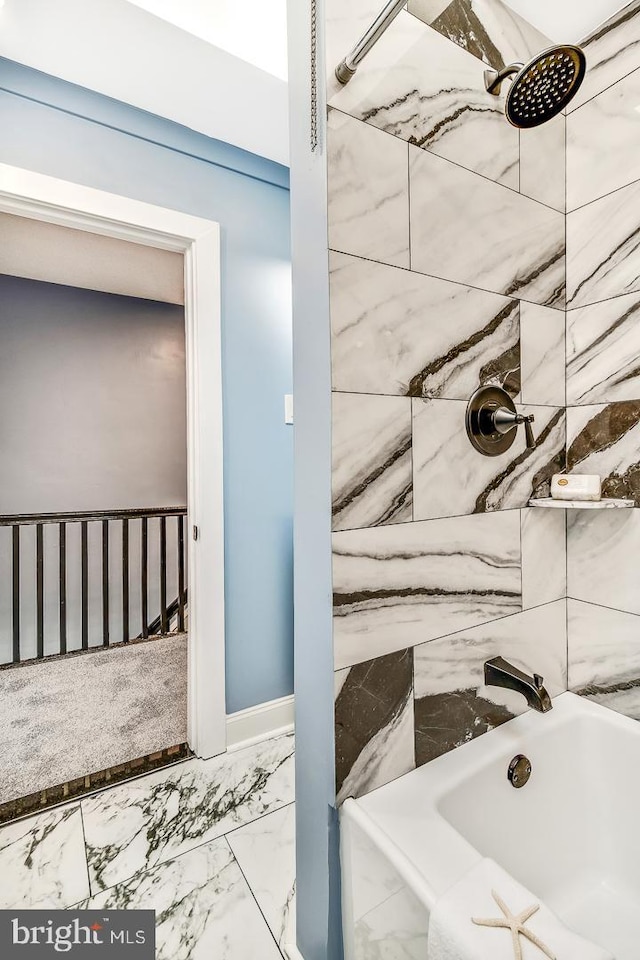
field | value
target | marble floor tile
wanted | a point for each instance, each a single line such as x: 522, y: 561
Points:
x: 452, y: 704
x: 374, y: 723
x: 400, y: 585
x: 265, y: 852
x: 445, y: 109
x: 503, y: 242
x: 612, y: 52
x: 395, y: 332
x: 603, y: 346
x: 451, y: 478
x: 603, y: 241
x: 489, y: 29
x: 148, y: 821
x: 604, y: 656
x: 543, y: 362
x: 543, y: 171
x: 371, y: 455
x: 605, y: 440
x: 599, y: 165
x: 368, y: 191
x: 602, y: 551
x: 544, y: 556
x: 42, y: 861
x: 204, y: 908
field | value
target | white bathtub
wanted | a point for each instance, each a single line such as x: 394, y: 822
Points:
x: 571, y: 835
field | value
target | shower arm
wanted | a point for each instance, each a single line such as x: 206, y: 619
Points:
x: 347, y: 67
x: 493, y: 78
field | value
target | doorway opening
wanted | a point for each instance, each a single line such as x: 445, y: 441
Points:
x: 111, y: 486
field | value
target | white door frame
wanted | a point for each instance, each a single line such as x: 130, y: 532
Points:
x: 34, y: 195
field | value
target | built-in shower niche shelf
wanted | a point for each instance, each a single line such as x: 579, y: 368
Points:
x: 607, y: 503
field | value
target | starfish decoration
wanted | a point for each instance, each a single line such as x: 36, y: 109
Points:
x: 517, y: 926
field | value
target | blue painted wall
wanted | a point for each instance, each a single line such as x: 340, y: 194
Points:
x: 66, y: 131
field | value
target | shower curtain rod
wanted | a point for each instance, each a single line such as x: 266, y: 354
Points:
x: 347, y: 67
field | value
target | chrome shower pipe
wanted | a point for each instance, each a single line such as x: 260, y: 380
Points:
x: 347, y: 67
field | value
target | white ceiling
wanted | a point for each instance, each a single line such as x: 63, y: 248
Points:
x: 565, y: 20
x: 253, y: 30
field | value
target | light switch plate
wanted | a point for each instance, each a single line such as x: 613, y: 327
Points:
x: 288, y: 408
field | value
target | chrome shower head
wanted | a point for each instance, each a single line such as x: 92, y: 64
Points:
x: 542, y: 88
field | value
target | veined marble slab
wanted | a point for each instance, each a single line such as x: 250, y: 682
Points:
x: 602, y: 551
x: 444, y: 108
x: 604, y: 656
x: 452, y: 705
x: 397, y: 586
x: 451, y: 478
x: 544, y: 556
x: 371, y: 454
x: 149, y: 821
x: 612, y: 52
x: 396, y: 332
x: 488, y: 29
x: 465, y: 228
x: 603, y: 346
x: 374, y: 723
x: 266, y: 853
x: 603, y: 240
x: 368, y: 191
x: 597, y: 165
x: 542, y: 334
x: 543, y: 163
x: 204, y: 907
x: 605, y: 440
x: 42, y: 861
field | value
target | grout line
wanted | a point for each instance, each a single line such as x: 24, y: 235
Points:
x: 610, y: 86
x: 604, y: 606
x: 431, y: 153
x: 86, y: 855
x: 522, y: 558
x: 459, y: 283
x: 198, y: 846
x: 604, y: 196
x: 447, y: 636
x: 409, y: 205
x: 403, y: 396
x: 251, y: 891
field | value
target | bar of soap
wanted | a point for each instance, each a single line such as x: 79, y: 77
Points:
x: 575, y: 486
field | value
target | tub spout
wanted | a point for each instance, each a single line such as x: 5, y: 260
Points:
x: 500, y: 673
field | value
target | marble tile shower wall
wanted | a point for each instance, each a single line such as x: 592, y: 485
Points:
x: 447, y: 270
x: 603, y: 363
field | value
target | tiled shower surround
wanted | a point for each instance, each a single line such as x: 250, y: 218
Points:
x: 453, y: 263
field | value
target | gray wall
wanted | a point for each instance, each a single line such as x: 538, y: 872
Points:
x: 93, y: 400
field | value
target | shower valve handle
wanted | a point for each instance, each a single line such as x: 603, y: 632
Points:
x: 505, y: 420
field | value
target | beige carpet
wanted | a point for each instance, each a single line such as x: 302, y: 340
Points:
x: 65, y: 718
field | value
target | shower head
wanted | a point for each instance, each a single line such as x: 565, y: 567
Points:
x: 542, y: 88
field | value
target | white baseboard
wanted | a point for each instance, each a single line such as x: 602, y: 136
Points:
x: 267, y: 720
x: 292, y: 952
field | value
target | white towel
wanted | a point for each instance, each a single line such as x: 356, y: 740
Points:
x: 454, y: 936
